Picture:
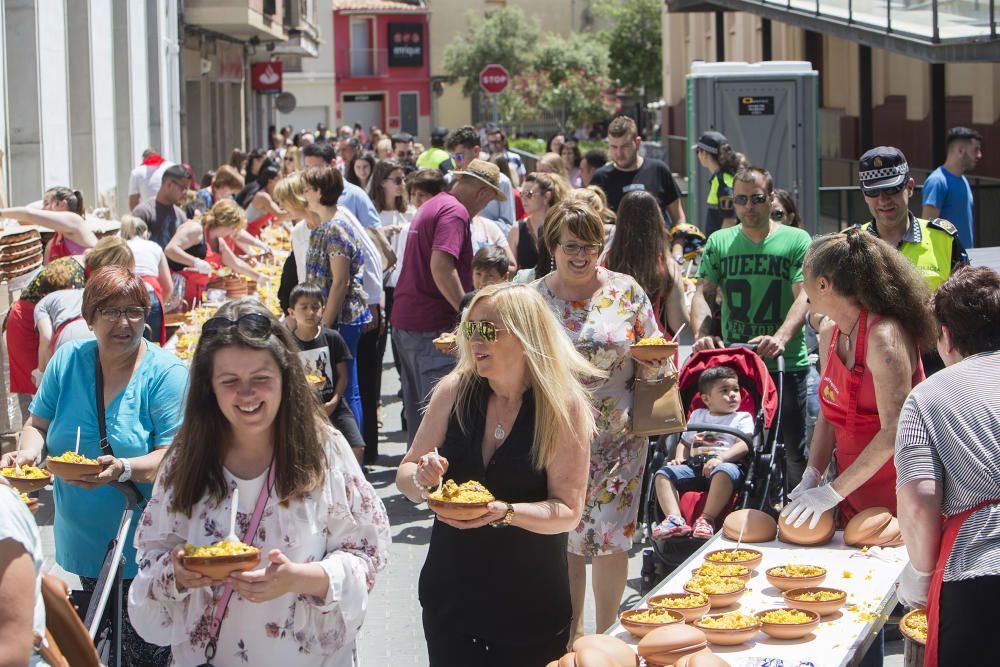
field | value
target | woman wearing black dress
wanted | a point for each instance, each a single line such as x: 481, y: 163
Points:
x: 513, y: 416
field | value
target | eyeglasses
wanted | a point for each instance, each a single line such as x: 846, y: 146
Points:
x: 486, y: 330
x: 777, y: 214
x: 131, y: 313
x: 495, y: 142
x: 289, y: 159
x: 528, y: 194
x: 251, y: 325
x: 577, y: 249
x: 754, y: 199
x: 888, y: 192
x: 398, y: 180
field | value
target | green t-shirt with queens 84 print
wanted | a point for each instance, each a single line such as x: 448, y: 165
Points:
x: 756, y: 282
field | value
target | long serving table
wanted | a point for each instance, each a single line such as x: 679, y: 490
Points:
x: 841, y: 639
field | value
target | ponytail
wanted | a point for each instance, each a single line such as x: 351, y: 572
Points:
x: 729, y: 160
x: 73, y: 198
x: 77, y: 205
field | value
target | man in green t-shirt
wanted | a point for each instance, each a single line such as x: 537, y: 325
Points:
x: 758, y: 266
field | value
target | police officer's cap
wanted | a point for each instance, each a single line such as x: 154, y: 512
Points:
x: 711, y: 142
x: 441, y: 132
x: 881, y: 168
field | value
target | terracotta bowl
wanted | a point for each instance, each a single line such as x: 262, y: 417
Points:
x: 907, y: 631
x: 728, y: 636
x: 742, y: 577
x: 457, y: 511
x: 789, y: 630
x: 71, y: 472
x: 716, y: 600
x: 750, y: 564
x: 318, y: 384
x: 821, y: 607
x: 32, y: 504
x: 788, y: 583
x: 689, y: 614
x: 651, y: 352
x: 640, y: 628
x: 218, y: 568
x: 25, y: 485
x: 448, y: 345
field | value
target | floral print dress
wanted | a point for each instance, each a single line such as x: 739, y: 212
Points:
x: 342, y: 525
x: 603, y: 329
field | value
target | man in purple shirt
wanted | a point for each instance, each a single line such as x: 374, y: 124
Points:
x: 436, y: 274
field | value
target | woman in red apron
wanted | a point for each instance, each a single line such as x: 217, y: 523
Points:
x: 875, y: 304
x: 62, y: 212
x: 262, y: 209
x: 948, y: 463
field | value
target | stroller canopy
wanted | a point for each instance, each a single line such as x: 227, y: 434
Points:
x: 750, y: 369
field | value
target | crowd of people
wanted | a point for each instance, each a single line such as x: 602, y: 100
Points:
x: 547, y: 277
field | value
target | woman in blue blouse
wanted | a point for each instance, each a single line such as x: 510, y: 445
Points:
x: 143, y: 391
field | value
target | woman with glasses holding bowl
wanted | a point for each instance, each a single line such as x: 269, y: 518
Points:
x: 604, y: 313
x: 254, y: 425
x: 512, y: 416
x: 139, y: 389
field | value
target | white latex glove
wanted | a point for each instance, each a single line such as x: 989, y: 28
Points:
x: 810, y: 480
x: 811, y: 503
x: 913, y: 587
x: 201, y: 266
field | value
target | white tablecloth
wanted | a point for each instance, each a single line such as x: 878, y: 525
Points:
x: 840, y: 639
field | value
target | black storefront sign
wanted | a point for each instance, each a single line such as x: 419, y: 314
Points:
x: 406, y: 45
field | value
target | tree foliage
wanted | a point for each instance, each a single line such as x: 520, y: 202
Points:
x: 634, y: 43
x: 503, y: 36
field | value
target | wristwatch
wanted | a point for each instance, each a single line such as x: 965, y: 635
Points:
x: 126, y: 472
x: 506, y: 519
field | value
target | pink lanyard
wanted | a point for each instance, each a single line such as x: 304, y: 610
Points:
x: 227, y: 592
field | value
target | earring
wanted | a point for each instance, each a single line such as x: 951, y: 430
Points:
x: 552, y: 264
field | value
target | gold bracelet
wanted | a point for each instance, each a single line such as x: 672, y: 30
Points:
x: 506, y: 519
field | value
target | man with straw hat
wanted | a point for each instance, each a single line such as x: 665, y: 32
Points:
x: 436, y: 274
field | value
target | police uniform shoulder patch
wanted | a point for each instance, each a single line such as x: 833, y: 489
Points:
x: 943, y: 225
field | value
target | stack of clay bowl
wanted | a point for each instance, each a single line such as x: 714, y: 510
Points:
x: 20, y: 252
x: 806, y: 536
x: 873, y: 527
x: 755, y: 526
x: 598, y: 651
x: 235, y: 286
x: 671, y: 644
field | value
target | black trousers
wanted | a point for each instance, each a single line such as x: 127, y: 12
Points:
x: 370, y: 387
x: 792, y: 430
x: 968, y: 634
x: 450, y: 649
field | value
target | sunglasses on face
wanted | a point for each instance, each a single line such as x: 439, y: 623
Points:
x: 398, y: 180
x: 753, y: 199
x: 888, y: 192
x: 289, y: 159
x: 578, y: 249
x: 251, y: 325
x: 131, y: 313
x: 484, y: 328
x: 528, y: 194
x: 777, y: 214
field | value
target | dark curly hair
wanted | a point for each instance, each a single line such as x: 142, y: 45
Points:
x: 968, y: 304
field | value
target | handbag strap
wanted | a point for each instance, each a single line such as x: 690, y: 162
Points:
x: 227, y: 592
x: 102, y: 423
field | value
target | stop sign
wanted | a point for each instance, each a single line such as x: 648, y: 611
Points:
x: 494, y: 78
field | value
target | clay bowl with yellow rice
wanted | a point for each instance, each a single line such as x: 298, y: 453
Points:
x: 721, y: 591
x: 32, y: 503
x: 460, y: 502
x: 217, y: 561
x: 651, y: 349
x: 728, y: 629
x: 691, y: 606
x: 72, y: 467
x: 641, y: 622
x: 30, y: 479
x: 823, y: 601
x: 317, y: 382
x: 724, y: 570
x: 787, y: 623
x: 787, y: 577
x: 914, y: 626
x: 748, y: 558
x: 446, y: 343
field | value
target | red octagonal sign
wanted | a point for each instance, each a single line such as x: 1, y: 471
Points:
x: 494, y: 78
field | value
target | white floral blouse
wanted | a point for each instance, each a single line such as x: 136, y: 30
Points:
x: 342, y: 525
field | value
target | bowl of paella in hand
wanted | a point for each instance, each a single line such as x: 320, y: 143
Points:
x: 217, y: 561
x: 72, y: 467
x: 26, y: 478
x: 653, y: 349
x: 461, y: 502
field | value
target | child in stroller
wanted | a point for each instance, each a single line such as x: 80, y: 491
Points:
x: 705, y: 459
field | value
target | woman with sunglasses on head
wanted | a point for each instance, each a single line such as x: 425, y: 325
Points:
x: 514, y: 417
x: 253, y: 424
x: 604, y: 313
x: 539, y: 192
x: 119, y: 387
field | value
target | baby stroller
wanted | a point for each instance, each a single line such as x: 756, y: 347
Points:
x: 763, y: 485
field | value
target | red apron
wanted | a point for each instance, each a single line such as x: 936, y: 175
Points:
x: 154, y: 284
x: 22, y: 346
x: 195, y: 282
x: 254, y: 227
x: 847, y: 398
x: 952, y: 525
x: 60, y: 246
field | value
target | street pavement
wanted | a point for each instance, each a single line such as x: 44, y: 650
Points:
x: 393, y: 632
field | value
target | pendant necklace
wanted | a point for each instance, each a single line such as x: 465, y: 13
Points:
x: 499, y: 433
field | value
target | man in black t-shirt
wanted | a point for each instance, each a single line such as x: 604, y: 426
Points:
x: 629, y: 171
x: 162, y: 213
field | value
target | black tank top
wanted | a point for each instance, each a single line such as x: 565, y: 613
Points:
x: 197, y: 250
x: 497, y: 584
x: 527, y: 248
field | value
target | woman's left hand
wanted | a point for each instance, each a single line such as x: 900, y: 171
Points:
x: 265, y: 585
x: 495, y: 510
x: 111, y: 470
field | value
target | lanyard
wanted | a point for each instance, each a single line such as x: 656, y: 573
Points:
x: 101, y: 422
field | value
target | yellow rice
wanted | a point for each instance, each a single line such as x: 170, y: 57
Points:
x: 685, y: 602
x: 731, y: 556
x: 655, y: 340
x: 786, y: 617
x: 713, y: 584
x: 72, y: 457
x: 817, y: 596
x: 722, y: 569
x: 731, y: 621
x: 467, y: 492
x: 27, y: 472
x: 219, y: 549
x: 797, y: 571
x: 917, y: 625
x: 654, y: 615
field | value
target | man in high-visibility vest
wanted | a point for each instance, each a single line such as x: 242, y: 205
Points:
x: 932, y: 246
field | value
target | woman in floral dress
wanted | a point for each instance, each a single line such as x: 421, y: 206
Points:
x: 323, y: 533
x: 603, y: 313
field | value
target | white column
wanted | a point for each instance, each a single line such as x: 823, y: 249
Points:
x: 80, y: 102
x: 53, y: 92
x: 24, y: 160
x: 4, y: 147
x: 138, y: 79
x: 103, y: 87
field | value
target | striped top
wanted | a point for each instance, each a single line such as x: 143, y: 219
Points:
x: 948, y: 431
